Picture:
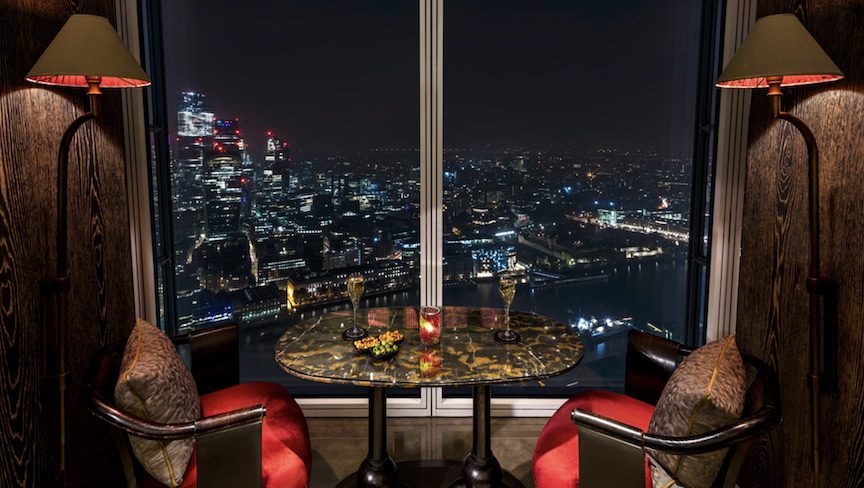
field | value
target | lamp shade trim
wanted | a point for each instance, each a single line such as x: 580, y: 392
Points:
x: 780, y: 46
x: 762, y: 82
x: 88, y: 45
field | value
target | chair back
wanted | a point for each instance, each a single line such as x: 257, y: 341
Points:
x: 650, y: 361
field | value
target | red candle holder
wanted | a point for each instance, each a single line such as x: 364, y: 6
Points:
x: 430, y: 326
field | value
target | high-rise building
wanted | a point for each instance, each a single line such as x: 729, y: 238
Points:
x: 278, y: 158
x: 271, y: 187
x: 223, y: 180
x: 274, y: 172
x: 194, y: 119
x: 194, y: 135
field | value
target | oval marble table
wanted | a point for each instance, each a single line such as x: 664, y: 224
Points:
x: 468, y: 355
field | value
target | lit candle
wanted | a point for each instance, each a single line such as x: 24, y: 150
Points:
x: 430, y: 325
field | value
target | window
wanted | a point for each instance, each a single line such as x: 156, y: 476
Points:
x: 285, y: 151
x: 293, y: 160
x: 568, y: 159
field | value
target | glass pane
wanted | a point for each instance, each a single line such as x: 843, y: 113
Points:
x: 568, y: 155
x: 294, y: 137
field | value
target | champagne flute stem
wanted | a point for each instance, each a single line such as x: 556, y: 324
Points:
x: 507, y: 317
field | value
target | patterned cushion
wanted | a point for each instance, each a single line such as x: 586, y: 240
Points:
x: 155, y: 385
x: 706, y: 392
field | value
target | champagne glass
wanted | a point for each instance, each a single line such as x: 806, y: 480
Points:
x: 355, y: 291
x: 507, y: 289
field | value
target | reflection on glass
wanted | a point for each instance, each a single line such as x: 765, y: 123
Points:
x: 507, y: 290
x: 355, y: 291
x: 430, y: 363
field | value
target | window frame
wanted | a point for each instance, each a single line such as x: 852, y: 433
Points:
x: 159, y: 250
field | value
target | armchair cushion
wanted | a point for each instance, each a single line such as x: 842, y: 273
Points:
x: 155, y: 385
x: 286, y: 453
x: 556, y: 456
x: 705, y: 393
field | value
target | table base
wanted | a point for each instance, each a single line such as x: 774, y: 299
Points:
x: 479, y: 470
x: 432, y: 474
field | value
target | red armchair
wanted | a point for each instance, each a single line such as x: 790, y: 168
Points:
x: 251, y: 434
x: 598, y: 438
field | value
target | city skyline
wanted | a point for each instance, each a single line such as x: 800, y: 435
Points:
x: 597, y: 240
x: 260, y: 236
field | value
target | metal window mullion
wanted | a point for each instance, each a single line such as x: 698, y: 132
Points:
x: 729, y: 184
x: 137, y: 173
x: 158, y: 155
x: 431, y: 151
x: 431, y: 155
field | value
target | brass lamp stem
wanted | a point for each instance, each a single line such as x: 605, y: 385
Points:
x: 818, y: 286
x: 55, y: 290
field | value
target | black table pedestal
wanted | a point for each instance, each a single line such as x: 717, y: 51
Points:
x: 479, y: 470
x: 377, y: 470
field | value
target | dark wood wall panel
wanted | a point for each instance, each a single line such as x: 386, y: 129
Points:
x: 32, y: 120
x: 772, y: 314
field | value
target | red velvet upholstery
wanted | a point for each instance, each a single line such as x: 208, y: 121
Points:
x: 286, y: 454
x: 556, y: 456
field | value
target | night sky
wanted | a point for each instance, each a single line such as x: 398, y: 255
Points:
x: 343, y: 74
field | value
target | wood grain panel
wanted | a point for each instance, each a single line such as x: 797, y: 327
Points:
x: 772, y: 313
x: 32, y: 120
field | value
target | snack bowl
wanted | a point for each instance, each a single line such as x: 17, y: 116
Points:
x: 392, y: 336
x: 384, y: 351
x: 365, y: 345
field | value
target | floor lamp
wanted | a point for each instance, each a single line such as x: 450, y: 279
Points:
x: 86, y: 53
x: 779, y: 52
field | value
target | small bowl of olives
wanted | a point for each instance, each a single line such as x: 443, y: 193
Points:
x: 384, y: 351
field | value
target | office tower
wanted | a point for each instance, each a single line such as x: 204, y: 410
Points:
x: 274, y: 172
x: 278, y: 155
x: 223, y: 180
x: 194, y: 135
x: 194, y: 119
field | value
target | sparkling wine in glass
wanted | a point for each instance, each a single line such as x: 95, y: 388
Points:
x: 507, y: 289
x: 355, y: 291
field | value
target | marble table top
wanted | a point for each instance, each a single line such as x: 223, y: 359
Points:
x: 467, y: 355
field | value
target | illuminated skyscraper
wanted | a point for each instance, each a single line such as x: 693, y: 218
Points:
x: 274, y: 176
x: 194, y: 135
x: 223, y: 180
x: 194, y: 119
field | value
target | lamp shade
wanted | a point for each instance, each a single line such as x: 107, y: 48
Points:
x: 780, y: 46
x: 88, y: 45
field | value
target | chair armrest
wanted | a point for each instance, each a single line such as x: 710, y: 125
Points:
x: 228, y: 445
x: 215, y: 356
x: 146, y: 429
x: 752, y: 426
